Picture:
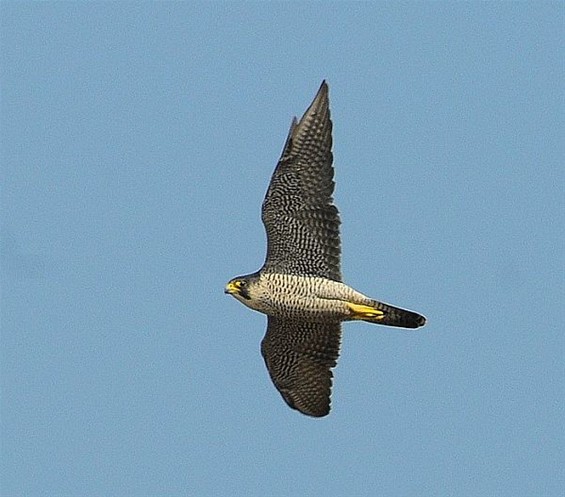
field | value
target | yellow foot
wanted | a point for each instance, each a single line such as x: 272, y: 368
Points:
x: 359, y: 311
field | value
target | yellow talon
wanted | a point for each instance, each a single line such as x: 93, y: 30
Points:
x: 360, y: 311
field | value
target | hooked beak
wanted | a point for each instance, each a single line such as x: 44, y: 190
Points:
x: 231, y: 288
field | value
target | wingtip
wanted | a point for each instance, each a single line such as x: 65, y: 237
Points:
x: 321, y: 101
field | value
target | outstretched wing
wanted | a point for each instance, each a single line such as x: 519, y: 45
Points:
x: 301, y: 221
x: 299, y: 356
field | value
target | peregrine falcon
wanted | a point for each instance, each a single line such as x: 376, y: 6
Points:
x: 300, y: 287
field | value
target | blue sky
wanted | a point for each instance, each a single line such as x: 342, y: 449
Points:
x: 138, y: 140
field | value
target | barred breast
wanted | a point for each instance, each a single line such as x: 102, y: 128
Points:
x: 304, y: 297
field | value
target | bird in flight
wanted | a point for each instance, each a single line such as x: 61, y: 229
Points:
x: 299, y: 287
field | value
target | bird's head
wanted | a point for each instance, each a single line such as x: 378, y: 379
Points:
x: 240, y: 287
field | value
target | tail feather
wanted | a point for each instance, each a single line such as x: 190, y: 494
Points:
x: 394, y: 316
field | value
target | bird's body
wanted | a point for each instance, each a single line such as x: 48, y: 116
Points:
x: 300, y: 297
x: 299, y: 286
x: 313, y: 298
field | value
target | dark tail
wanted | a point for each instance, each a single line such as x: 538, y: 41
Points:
x: 394, y: 316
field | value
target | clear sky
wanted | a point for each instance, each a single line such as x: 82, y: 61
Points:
x: 138, y: 140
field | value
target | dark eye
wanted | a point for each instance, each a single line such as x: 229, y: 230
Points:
x: 241, y: 283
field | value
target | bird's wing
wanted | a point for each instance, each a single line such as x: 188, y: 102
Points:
x: 301, y: 221
x: 299, y: 356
